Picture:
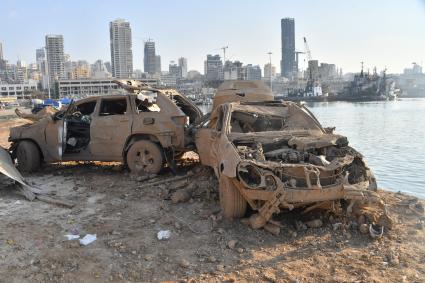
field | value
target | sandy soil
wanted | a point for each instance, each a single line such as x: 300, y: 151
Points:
x: 126, y: 214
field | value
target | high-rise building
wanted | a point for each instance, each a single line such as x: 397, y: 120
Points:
x: 121, y: 49
x: 267, y: 70
x: 158, y: 64
x: 287, y: 64
x: 183, y: 66
x: 2, y: 62
x: 252, y: 73
x: 175, y: 70
x: 151, y: 61
x: 313, y: 70
x: 55, y: 58
x: 233, y: 70
x: 40, y: 58
x: 213, y: 68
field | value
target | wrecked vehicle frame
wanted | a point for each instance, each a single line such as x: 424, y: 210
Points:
x: 275, y: 155
x: 144, y: 129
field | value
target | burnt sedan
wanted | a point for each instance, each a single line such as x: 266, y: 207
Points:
x: 273, y: 155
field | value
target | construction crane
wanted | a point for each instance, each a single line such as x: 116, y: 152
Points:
x: 307, y: 50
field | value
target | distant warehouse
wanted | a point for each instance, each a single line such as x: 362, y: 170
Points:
x: 88, y: 87
x: 17, y: 91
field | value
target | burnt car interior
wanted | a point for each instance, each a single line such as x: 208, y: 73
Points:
x: 245, y: 122
x: 78, y: 127
x: 184, y: 106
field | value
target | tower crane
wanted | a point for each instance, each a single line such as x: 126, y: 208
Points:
x: 307, y: 50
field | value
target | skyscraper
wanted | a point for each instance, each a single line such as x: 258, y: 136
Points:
x: 183, y: 66
x: 55, y: 58
x: 40, y: 56
x: 287, y: 64
x: 121, y: 49
x: 151, y: 62
x: 213, y: 68
x: 1, y: 51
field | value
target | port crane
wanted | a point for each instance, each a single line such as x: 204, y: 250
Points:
x: 310, y: 82
x: 307, y: 50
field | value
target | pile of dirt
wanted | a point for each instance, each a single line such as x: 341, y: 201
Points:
x: 127, y: 212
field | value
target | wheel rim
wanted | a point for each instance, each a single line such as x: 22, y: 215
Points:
x: 144, y: 160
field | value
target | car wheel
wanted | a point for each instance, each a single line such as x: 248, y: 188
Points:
x: 145, y: 157
x: 232, y: 202
x: 28, y: 156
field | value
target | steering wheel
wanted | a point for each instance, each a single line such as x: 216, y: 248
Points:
x: 77, y: 114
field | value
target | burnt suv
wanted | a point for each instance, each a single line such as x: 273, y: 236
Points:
x: 272, y: 155
x: 144, y: 128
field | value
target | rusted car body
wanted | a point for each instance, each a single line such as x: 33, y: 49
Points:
x: 143, y: 128
x: 273, y: 155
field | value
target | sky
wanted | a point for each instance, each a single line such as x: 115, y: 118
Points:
x: 381, y: 33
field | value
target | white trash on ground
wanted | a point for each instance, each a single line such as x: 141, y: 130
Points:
x: 87, y: 239
x: 72, y: 237
x: 164, y: 235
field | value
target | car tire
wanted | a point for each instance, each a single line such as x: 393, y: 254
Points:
x: 145, y: 157
x: 231, y: 200
x: 28, y: 156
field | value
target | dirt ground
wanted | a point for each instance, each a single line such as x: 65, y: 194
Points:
x: 126, y: 213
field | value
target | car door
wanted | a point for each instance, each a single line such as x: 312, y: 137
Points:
x: 207, y: 138
x: 55, y: 133
x: 110, y: 127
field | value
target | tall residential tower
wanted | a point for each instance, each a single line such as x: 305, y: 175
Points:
x: 151, y: 61
x: 287, y: 64
x: 55, y: 58
x: 121, y: 49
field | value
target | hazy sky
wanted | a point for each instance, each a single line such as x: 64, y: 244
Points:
x: 381, y: 33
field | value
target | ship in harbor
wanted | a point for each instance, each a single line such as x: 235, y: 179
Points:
x: 363, y: 87
x: 369, y: 87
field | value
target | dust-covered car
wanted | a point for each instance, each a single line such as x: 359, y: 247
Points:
x: 273, y: 155
x: 144, y: 128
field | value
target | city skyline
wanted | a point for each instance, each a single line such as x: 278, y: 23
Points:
x: 345, y: 34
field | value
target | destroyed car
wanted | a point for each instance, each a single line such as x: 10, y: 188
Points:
x: 143, y: 129
x: 274, y: 155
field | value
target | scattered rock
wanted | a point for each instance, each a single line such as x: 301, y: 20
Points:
x: 177, y: 225
x: 220, y: 267
x: 316, y: 223
x: 336, y: 226
x: 184, y: 263
x: 232, y: 244
x: 364, y: 228
x: 256, y: 221
x: 181, y: 196
x: 240, y: 250
x: 212, y: 259
x: 274, y: 229
x: 293, y: 234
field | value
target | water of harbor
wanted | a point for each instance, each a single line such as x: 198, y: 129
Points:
x: 390, y: 134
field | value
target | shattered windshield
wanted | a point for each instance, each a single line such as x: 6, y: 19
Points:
x: 254, y: 119
x: 247, y: 122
